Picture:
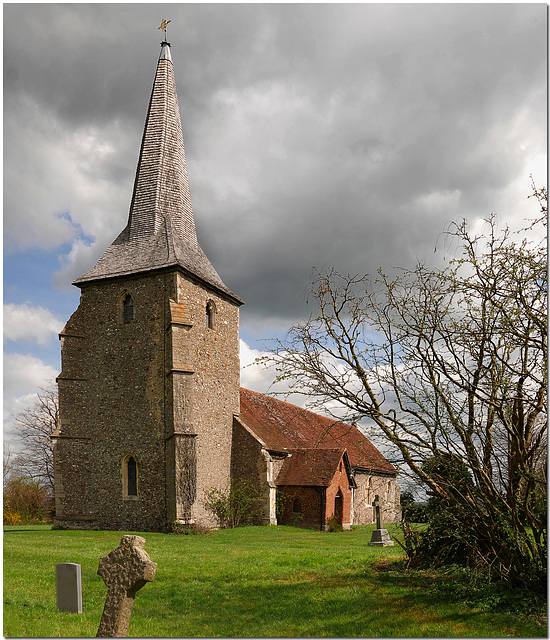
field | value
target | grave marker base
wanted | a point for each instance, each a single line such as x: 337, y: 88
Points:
x: 381, y: 538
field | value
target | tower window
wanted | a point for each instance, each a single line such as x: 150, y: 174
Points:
x: 130, y: 477
x: 128, y: 309
x: 210, y: 314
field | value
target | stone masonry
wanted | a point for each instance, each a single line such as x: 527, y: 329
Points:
x: 370, y: 485
x: 150, y: 359
x: 151, y: 415
x: 162, y: 388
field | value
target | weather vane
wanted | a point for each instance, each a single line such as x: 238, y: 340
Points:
x: 163, y: 26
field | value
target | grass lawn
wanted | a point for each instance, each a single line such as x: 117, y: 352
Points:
x: 246, y: 582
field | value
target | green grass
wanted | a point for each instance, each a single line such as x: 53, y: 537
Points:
x: 247, y: 582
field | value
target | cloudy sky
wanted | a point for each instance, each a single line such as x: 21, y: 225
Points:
x: 342, y: 135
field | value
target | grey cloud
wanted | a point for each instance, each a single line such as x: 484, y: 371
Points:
x: 345, y: 120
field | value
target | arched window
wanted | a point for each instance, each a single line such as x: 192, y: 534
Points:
x: 130, y: 477
x: 210, y: 314
x: 297, y: 505
x: 128, y: 309
x: 131, y: 466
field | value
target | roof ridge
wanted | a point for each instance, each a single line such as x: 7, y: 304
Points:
x: 324, y: 449
x: 295, y: 406
x: 285, y: 427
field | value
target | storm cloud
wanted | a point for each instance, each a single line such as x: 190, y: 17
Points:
x: 341, y: 135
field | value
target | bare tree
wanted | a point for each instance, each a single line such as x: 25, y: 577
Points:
x: 446, y: 364
x: 7, y: 463
x: 33, y: 429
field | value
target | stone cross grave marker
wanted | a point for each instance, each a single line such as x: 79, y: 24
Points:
x: 380, y: 537
x: 377, y: 512
x: 68, y: 582
x: 125, y: 570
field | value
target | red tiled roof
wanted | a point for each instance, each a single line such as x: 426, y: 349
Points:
x: 283, y: 426
x: 310, y: 467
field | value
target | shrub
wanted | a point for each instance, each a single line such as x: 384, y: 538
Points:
x: 463, y: 532
x: 235, y: 506
x: 26, y: 499
x: 414, y: 512
x: 334, y: 525
x: 197, y: 528
x: 11, y: 518
x: 446, y: 539
x: 282, y: 499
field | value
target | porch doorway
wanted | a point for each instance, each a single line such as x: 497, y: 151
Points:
x: 339, y: 507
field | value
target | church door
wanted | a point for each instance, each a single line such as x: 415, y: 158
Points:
x: 339, y: 507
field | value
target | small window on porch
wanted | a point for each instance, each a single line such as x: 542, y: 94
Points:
x: 370, y: 495
x: 296, y: 505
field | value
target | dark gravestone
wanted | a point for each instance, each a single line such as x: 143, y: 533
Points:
x: 125, y: 570
x: 68, y: 582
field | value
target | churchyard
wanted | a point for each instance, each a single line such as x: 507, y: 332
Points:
x: 250, y: 582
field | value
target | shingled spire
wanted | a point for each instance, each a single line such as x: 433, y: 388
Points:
x: 161, y: 229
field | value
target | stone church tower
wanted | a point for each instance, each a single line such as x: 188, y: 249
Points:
x: 150, y: 359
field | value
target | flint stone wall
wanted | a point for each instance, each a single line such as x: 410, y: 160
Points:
x: 146, y: 388
x: 369, y: 486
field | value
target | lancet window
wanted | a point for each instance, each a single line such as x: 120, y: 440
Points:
x: 128, y: 308
x: 210, y: 314
x: 130, y: 477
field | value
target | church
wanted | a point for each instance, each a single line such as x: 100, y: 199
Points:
x: 151, y: 413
